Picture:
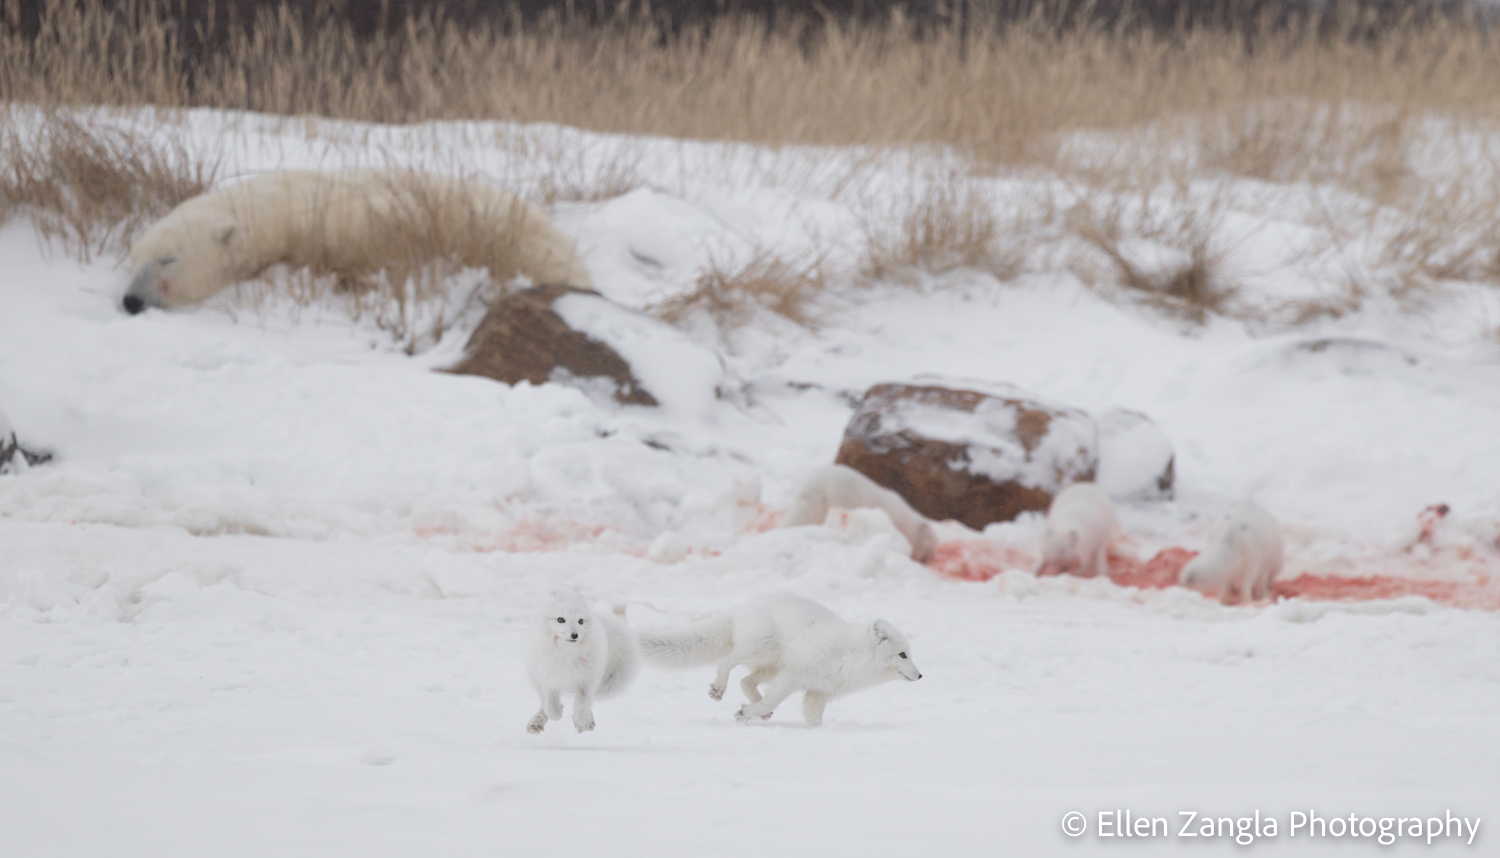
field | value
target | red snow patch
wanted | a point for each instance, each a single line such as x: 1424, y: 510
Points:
x: 765, y: 519
x: 977, y: 559
x: 1161, y: 571
x: 1477, y: 595
x: 1461, y: 574
x: 551, y: 534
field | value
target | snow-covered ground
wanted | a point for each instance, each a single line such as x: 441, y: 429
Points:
x: 267, y: 598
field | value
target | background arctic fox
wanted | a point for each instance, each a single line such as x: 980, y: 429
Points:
x: 573, y: 650
x: 840, y: 486
x: 790, y: 644
x: 1243, y: 555
x: 1080, y: 525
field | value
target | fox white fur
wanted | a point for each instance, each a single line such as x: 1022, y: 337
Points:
x: 574, y: 650
x: 842, y: 487
x: 1243, y: 555
x: 301, y: 216
x: 790, y: 644
x: 1080, y: 526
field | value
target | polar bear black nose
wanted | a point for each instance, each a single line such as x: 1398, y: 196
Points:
x: 133, y: 304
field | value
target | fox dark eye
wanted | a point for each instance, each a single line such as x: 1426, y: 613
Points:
x: 561, y: 620
x: 580, y: 622
x: 903, y: 655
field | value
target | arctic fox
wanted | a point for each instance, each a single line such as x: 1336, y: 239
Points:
x: 1242, y: 556
x: 840, y: 486
x: 1080, y: 525
x: 790, y: 644
x: 572, y: 650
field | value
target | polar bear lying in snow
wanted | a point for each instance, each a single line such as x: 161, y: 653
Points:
x: 339, y: 220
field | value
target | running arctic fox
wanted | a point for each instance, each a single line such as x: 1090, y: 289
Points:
x: 843, y: 487
x: 1243, y: 555
x: 1080, y: 525
x: 572, y: 650
x: 790, y: 644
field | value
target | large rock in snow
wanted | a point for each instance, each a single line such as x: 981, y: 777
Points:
x: 977, y: 457
x: 566, y: 334
x: 1136, y: 461
x: 13, y: 456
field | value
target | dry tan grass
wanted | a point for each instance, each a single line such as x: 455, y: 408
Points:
x: 1003, y: 94
x: 1324, y: 104
x: 1184, y: 278
x: 1444, y: 232
x: 569, y: 175
x: 733, y: 294
x: 950, y: 224
x: 90, y: 187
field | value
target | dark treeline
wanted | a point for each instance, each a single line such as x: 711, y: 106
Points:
x: 370, y: 17
x: 202, y: 24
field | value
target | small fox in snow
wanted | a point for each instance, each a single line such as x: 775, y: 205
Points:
x: 1242, y: 557
x: 840, y: 486
x: 790, y: 644
x: 1080, y: 525
x: 572, y: 650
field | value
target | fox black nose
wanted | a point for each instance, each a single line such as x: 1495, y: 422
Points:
x: 575, y: 636
x: 919, y: 676
x: 133, y: 304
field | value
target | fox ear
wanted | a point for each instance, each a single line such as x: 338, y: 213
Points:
x: 882, y: 630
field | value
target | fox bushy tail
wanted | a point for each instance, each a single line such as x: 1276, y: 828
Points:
x: 698, y: 644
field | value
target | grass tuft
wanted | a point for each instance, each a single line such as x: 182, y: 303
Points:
x: 1163, y: 254
x: 951, y: 225
x: 733, y: 295
x: 90, y: 187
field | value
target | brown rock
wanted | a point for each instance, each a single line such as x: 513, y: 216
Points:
x: 973, y: 457
x: 522, y: 338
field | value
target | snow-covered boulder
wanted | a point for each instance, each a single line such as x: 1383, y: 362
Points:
x: 1136, y: 461
x: 973, y: 456
x: 14, y: 457
x: 565, y: 334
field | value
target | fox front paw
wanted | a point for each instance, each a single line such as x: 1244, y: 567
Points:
x: 716, y: 692
x: 584, y: 724
x: 537, y: 723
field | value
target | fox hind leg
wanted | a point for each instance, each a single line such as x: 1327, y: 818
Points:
x: 762, y: 708
x: 736, y: 657
x: 751, y: 683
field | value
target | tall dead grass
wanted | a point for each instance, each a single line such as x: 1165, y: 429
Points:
x: 732, y: 295
x: 92, y: 188
x: 1001, y: 92
x: 951, y: 223
x: 1330, y: 101
x: 1163, y: 253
